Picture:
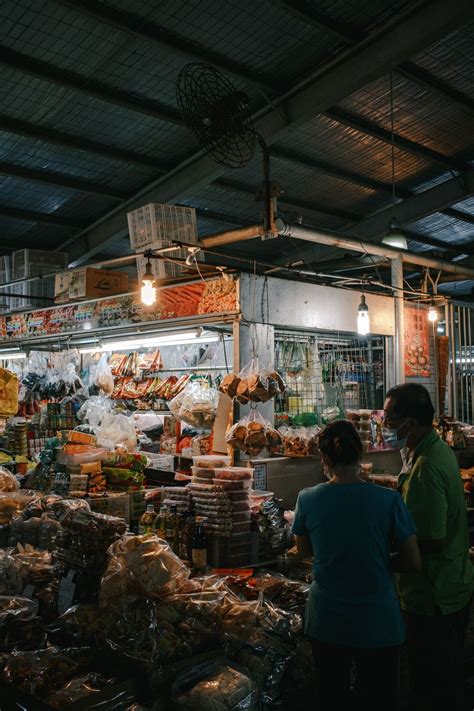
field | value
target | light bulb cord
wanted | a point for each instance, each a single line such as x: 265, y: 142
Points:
x: 392, y: 141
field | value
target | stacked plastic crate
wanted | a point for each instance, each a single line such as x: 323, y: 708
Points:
x: 28, y: 263
x: 5, y: 277
x: 154, y: 227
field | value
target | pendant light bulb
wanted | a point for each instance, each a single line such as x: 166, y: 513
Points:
x: 432, y: 312
x: 148, y: 290
x: 363, y: 321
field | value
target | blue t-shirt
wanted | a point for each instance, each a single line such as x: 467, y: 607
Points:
x: 352, y: 600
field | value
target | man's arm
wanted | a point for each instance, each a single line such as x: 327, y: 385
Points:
x: 407, y: 559
x: 435, y: 545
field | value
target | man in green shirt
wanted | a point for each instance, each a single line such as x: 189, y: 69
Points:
x: 437, y: 600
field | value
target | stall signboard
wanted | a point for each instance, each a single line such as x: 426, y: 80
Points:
x: 213, y: 296
x: 417, y: 349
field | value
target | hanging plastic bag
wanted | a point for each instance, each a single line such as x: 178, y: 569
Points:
x: 103, y: 376
x: 116, y: 431
x: 253, y: 384
x: 252, y: 434
x: 195, y: 405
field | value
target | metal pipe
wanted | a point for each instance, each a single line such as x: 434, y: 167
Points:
x: 449, y: 383
x: 231, y: 236
x: 397, y: 283
x: 452, y: 344
x: 336, y: 239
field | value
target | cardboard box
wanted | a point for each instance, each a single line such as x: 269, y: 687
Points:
x: 88, y: 283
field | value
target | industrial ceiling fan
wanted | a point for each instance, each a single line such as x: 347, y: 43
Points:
x: 219, y: 117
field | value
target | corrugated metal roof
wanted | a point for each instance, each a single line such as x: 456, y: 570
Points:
x: 270, y: 43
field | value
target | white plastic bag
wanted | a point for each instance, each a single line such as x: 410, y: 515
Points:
x: 103, y: 376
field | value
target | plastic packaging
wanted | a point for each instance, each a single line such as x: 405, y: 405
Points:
x: 228, y: 485
x: 253, y: 384
x: 216, y: 685
x: 299, y: 442
x: 234, y: 473
x: 211, y: 461
x: 103, y: 376
x: 87, y: 455
x: 202, y: 473
x: 195, y: 405
x: 7, y: 481
x: 116, y: 430
x: 252, y: 434
x: 141, y: 566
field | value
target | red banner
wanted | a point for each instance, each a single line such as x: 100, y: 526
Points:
x: 417, y: 344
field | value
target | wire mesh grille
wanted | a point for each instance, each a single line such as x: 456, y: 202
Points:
x: 327, y: 370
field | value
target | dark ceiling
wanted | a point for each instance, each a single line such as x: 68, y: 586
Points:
x: 88, y: 119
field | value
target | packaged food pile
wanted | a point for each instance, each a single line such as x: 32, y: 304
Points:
x: 361, y: 419
x: 299, y: 442
x: 252, y: 434
x: 178, y: 496
x: 124, y: 471
x: 253, y: 384
x: 82, y: 546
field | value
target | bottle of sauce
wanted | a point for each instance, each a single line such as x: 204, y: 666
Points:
x: 160, y: 526
x: 147, y: 521
x: 169, y: 524
x: 199, y: 546
x: 184, y: 536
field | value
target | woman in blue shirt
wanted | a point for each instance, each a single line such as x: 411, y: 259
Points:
x: 353, y: 615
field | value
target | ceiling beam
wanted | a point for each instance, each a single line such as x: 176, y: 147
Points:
x: 349, y: 35
x: 308, y: 13
x: 419, y: 27
x: 60, y: 180
x: 363, y: 125
x: 86, y: 145
x: 459, y: 215
x: 236, y: 186
x: 39, y: 217
x: 429, y: 81
x: 324, y: 168
x: 455, y: 248
x: 91, y: 87
x: 144, y: 28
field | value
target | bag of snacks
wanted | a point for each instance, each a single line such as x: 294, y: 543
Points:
x: 299, y: 442
x: 253, y: 384
x: 195, y: 405
x: 215, y: 685
x: 103, y: 376
x: 7, y: 481
x: 141, y: 566
x: 252, y: 434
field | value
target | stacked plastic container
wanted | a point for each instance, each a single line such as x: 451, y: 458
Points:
x: 221, y: 494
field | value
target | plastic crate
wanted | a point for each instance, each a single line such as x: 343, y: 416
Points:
x: 115, y: 504
x: 35, y: 262
x: 44, y: 289
x: 155, y: 223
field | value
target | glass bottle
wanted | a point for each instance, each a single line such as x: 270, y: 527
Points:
x: 147, y: 521
x: 169, y: 523
x: 160, y: 526
x: 199, y: 546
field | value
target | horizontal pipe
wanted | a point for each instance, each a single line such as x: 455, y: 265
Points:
x: 335, y: 239
x: 231, y: 236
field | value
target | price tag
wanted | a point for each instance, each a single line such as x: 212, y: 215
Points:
x: 67, y: 588
x: 29, y: 590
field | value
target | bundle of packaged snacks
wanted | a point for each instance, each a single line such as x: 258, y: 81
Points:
x: 13, y: 502
x: 195, y: 405
x: 253, y: 384
x: 20, y: 627
x: 86, y: 530
x: 7, y: 481
x: 125, y: 470
x: 141, y: 566
x: 299, y: 442
x: 252, y: 434
x: 216, y: 685
x: 44, y: 671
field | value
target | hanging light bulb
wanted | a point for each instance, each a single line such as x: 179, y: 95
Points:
x: 394, y: 236
x: 363, y: 321
x: 148, y: 290
x: 432, y: 312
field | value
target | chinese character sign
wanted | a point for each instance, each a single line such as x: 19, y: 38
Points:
x: 417, y: 349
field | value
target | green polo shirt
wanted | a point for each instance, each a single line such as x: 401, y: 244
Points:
x: 433, y: 493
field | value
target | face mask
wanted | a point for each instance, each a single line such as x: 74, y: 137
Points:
x: 392, y: 439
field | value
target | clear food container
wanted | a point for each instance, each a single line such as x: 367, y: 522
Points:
x: 211, y: 461
x: 234, y: 473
